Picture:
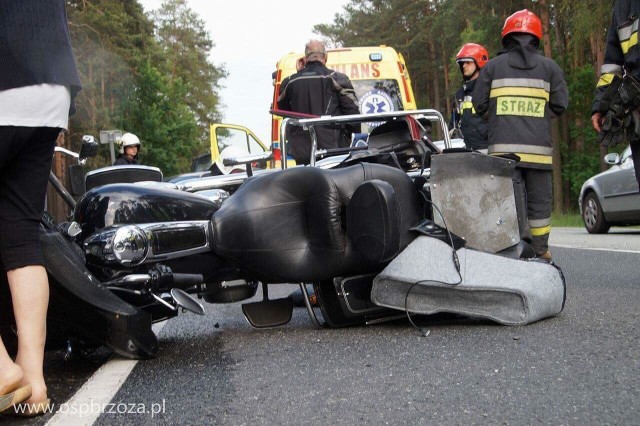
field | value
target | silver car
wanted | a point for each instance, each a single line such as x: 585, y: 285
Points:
x: 611, y: 198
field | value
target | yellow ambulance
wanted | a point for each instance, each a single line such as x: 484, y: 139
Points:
x: 379, y: 75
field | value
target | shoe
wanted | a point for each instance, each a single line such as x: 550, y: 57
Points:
x: 32, y: 410
x: 16, y: 396
x: 546, y: 256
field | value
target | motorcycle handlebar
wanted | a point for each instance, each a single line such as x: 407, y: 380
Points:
x: 187, y: 280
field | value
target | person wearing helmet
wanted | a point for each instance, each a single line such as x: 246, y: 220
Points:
x: 621, y: 56
x: 520, y: 90
x: 129, y: 148
x: 471, y: 58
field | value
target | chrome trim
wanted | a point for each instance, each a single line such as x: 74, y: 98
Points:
x: 101, y: 244
x: 246, y: 159
x: 308, y: 124
x: 149, y: 228
x: 66, y: 151
x: 307, y: 304
x: 217, y: 182
x: 110, y: 168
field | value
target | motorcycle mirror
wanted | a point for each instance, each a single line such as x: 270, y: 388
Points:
x: 89, y: 147
x: 186, y: 301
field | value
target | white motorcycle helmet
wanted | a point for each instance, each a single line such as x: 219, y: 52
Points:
x: 128, y: 139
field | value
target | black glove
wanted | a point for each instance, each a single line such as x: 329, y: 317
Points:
x: 614, y: 129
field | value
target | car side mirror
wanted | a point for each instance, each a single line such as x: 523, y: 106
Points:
x: 612, y: 158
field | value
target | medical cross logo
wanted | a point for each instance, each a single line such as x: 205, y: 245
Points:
x: 376, y: 101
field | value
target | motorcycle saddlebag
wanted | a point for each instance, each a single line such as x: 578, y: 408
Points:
x: 508, y: 291
x: 347, y: 301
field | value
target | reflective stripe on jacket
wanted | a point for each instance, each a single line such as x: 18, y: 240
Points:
x: 520, y: 90
x: 622, y: 51
x: 474, y: 127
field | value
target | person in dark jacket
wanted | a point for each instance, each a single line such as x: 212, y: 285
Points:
x: 129, y: 149
x: 621, y: 57
x: 38, y: 82
x: 521, y: 91
x: 317, y: 90
x: 471, y: 58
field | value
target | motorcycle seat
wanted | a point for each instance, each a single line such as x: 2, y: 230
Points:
x: 297, y: 225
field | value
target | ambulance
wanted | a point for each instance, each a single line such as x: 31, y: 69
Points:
x: 379, y: 75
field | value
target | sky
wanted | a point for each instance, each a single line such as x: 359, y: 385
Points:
x: 249, y: 38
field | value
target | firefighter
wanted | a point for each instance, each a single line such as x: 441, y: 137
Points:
x: 622, y: 56
x: 471, y: 58
x: 520, y: 90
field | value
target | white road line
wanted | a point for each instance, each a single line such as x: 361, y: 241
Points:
x: 594, y: 248
x: 84, y: 408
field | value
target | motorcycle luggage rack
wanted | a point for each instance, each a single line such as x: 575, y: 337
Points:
x: 309, y: 123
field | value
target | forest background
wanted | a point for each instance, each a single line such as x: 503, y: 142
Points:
x: 152, y: 73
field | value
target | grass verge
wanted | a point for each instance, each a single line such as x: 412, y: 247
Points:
x: 566, y: 220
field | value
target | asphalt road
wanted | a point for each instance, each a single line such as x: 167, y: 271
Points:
x: 581, y: 367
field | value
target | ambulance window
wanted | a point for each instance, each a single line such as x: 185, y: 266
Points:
x: 378, y: 95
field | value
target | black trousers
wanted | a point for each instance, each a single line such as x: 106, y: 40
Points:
x: 25, y: 162
x: 635, y: 154
x: 537, y: 190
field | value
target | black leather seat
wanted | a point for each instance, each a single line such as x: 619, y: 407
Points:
x: 299, y: 225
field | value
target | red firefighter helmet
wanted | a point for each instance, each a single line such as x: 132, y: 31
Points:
x: 475, y: 52
x: 523, y: 21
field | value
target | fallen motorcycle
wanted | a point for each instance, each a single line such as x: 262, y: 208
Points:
x: 135, y: 253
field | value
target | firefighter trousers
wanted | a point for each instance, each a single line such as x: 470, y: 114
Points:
x: 533, y: 189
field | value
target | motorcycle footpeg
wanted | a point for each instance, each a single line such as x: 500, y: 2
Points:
x: 268, y: 313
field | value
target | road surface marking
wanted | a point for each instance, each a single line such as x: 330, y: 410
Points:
x: 84, y: 408
x: 594, y: 248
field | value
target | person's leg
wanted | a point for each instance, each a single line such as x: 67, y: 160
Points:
x: 635, y: 154
x: 538, y: 185
x: 521, y: 204
x: 10, y: 373
x: 30, y: 295
x: 23, y: 184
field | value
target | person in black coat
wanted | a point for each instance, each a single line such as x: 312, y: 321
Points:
x: 317, y: 90
x: 38, y: 82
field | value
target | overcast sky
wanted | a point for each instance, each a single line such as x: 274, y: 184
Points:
x: 249, y: 37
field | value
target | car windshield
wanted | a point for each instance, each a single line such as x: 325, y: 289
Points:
x: 626, y: 154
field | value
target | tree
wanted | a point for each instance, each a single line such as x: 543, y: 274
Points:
x: 154, y: 81
x: 430, y: 32
x: 186, y: 46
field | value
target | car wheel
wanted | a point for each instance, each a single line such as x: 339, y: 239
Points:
x: 593, y: 216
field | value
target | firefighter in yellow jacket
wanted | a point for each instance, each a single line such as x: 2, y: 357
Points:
x: 521, y: 91
x: 616, y: 107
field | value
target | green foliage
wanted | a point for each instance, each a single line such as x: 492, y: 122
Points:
x: 429, y: 33
x: 169, y: 128
x: 148, y: 76
x: 577, y: 168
